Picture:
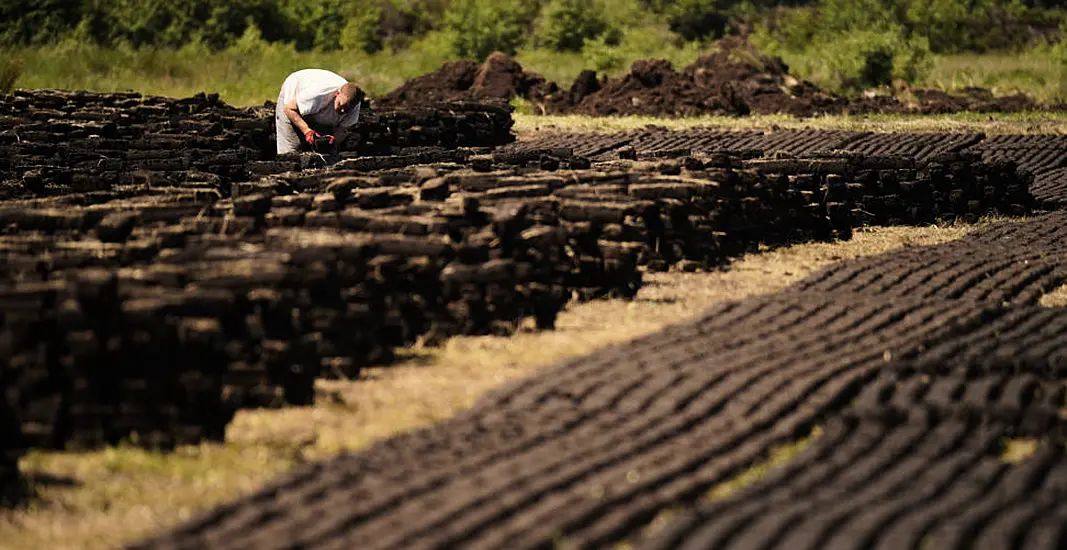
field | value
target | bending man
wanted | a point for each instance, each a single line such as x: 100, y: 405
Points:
x: 318, y: 97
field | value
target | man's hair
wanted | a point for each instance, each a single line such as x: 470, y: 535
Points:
x: 354, y: 94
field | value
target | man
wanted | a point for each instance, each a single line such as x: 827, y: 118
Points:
x: 318, y: 97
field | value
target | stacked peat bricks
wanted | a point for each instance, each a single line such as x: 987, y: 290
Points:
x: 12, y: 446
x: 444, y: 125
x: 698, y: 211
x: 56, y: 142
x: 1044, y: 155
x: 898, y: 190
x: 499, y: 260
x: 59, y: 142
x: 689, y: 213
x: 156, y: 318
x: 87, y: 367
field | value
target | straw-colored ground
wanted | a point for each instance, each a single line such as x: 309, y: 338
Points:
x: 1056, y: 298
x: 99, y: 499
x: 530, y: 126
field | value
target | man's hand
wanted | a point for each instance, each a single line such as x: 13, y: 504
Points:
x: 310, y: 135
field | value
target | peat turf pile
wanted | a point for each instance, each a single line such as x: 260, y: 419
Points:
x: 272, y: 283
x: 903, y: 191
x: 449, y: 125
x: 655, y: 213
x: 60, y: 142
x: 161, y: 315
x: 653, y: 141
x: 498, y: 78
x: 904, y: 373
x: 734, y: 79
x: 1043, y: 155
x: 695, y: 211
x: 56, y: 142
x: 880, y: 190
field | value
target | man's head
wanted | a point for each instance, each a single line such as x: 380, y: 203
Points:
x: 348, y: 96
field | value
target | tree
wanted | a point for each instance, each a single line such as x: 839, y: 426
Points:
x: 567, y: 24
x: 477, y: 28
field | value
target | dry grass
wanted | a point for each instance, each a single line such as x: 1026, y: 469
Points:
x: 1056, y: 298
x: 1036, y: 73
x: 531, y: 126
x: 779, y: 457
x: 1019, y: 450
x: 100, y: 499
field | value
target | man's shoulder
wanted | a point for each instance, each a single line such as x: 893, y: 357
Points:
x: 317, y: 75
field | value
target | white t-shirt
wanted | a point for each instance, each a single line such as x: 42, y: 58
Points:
x: 314, y: 91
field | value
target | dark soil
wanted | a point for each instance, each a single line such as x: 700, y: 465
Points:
x: 736, y: 79
x: 451, y: 81
x: 499, y: 77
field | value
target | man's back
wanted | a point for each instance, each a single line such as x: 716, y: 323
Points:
x: 311, y: 93
x: 312, y: 88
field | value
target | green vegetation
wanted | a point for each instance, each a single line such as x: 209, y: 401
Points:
x: 246, y: 73
x: 11, y: 67
x: 244, y: 48
x: 950, y: 26
x: 851, y: 45
x: 697, y: 19
x: 1035, y: 72
x: 251, y: 71
x: 864, y: 59
x: 476, y: 28
x: 568, y: 24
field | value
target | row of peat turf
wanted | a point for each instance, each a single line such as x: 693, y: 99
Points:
x: 56, y: 142
x: 151, y: 290
x: 1043, y: 155
x: 316, y: 273
x: 697, y: 211
x: 122, y: 319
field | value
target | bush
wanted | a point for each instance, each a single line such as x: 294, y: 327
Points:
x: 29, y: 21
x: 950, y: 26
x: 601, y: 56
x: 251, y: 43
x: 313, y: 25
x: 362, y: 31
x: 567, y: 24
x: 477, y: 28
x: 696, y: 19
x: 1058, y: 53
x: 871, y: 58
x: 404, y: 21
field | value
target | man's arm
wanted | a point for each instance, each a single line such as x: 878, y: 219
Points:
x: 294, y: 117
